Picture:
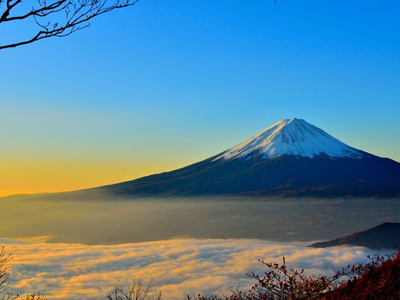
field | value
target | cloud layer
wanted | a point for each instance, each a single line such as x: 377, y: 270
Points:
x: 178, y: 267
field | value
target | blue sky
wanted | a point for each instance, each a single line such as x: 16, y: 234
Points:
x: 168, y: 83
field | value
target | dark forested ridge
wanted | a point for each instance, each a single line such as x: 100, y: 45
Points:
x: 384, y: 236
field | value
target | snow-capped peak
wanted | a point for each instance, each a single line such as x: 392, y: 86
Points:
x: 291, y: 137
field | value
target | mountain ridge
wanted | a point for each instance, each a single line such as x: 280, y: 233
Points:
x: 281, y: 176
x: 285, y: 162
x: 324, y: 167
x: 383, y: 236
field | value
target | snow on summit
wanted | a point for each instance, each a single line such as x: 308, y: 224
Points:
x: 291, y: 137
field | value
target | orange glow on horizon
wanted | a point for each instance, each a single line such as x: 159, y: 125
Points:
x: 31, y: 177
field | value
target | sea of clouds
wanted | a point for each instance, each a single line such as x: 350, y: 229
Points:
x: 178, y: 267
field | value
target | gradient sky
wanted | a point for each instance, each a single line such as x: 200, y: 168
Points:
x: 168, y: 83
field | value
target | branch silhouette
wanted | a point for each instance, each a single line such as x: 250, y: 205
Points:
x: 57, y: 18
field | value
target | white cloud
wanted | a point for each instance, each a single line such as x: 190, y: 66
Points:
x: 178, y: 267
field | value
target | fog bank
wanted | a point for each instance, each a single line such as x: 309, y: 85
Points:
x: 178, y: 267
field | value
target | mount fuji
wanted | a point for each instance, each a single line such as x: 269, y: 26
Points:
x: 292, y: 158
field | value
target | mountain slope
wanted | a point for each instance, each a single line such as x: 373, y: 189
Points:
x: 384, y: 236
x: 290, y: 158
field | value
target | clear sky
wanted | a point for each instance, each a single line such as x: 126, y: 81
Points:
x: 168, y: 83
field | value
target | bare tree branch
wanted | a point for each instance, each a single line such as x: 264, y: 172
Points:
x: 4, y: 270
x: 138, y: 290
x: 56, y: 18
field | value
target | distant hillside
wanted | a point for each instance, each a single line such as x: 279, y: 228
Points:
x: 384, y: 236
